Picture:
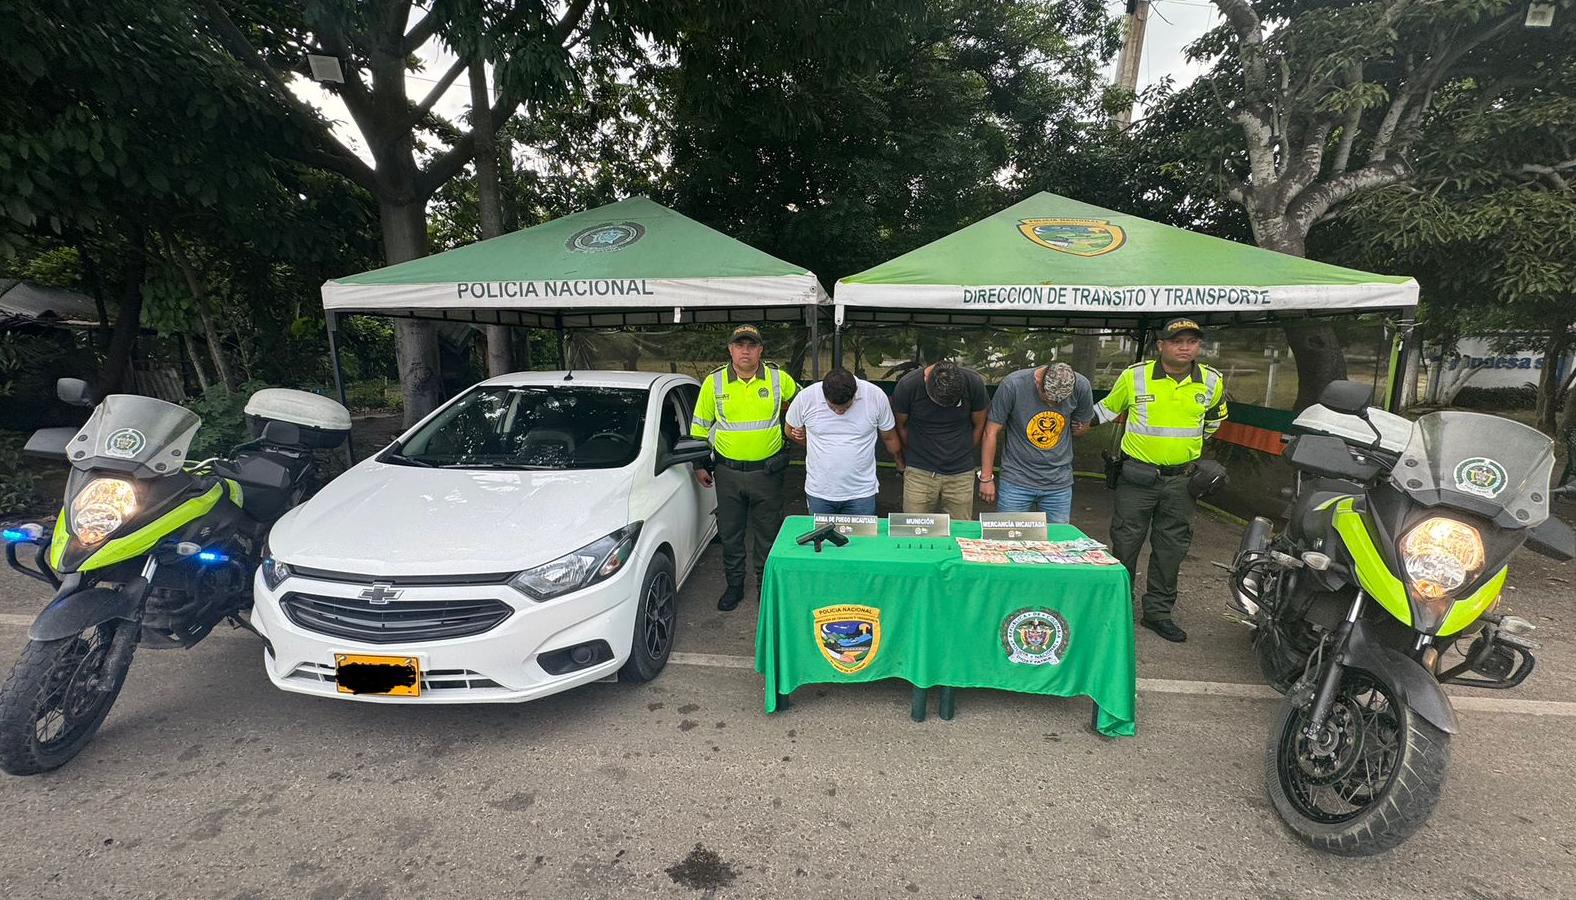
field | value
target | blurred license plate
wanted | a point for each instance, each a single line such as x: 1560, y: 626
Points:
x: 395, y: 676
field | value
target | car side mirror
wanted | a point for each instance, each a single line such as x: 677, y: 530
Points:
x: 684, y: 451
x: 74, y: 391
x: 1347, y: 397
x: 1554, y: 539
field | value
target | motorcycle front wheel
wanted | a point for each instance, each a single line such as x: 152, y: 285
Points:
x: 59, y: 693
x: 1368, y: 781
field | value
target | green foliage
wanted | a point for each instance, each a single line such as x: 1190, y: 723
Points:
x: 378, y: 394
x: 223, y: 419
x: 18, y: 484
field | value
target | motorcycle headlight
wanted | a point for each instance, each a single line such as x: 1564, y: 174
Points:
x: 101, y: 507
x: 596, y: 561
x: 1440, y: 556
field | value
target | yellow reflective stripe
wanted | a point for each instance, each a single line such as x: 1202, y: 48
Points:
x: 148, y: 536
x: 236, y: 495
x: 1469, y: 609
x: 1372, y: 574
x: 57, y: 549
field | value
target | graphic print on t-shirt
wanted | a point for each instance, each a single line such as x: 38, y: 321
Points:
x: 1045, y: 430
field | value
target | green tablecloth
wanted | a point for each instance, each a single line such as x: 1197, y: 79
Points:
x: 911, y: 608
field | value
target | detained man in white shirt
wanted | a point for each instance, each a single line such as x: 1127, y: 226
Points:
x: 838, y: 421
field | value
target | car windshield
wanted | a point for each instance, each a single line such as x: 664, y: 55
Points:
x: 546, y: 427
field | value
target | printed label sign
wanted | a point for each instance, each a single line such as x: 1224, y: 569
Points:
x: 855, y: 526
x: 1018, y: 526
x: 919, y: 525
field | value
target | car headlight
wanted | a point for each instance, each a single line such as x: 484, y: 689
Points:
x: 274, y: 571
x: 100, y: 508
x: 596, y: 561
x: 1440, y: 556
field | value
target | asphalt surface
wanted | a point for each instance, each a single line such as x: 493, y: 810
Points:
x: 208, y: 782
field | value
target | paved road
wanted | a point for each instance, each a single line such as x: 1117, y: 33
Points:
x: 207, y: 782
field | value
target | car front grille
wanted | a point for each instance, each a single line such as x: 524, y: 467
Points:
x: 397, y: 622
x: 432, y: 680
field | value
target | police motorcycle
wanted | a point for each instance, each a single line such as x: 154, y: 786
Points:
x: 152, y: 550
x: 1383, y: 586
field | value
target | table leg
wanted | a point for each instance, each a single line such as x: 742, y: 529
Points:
x: 783, y: 702
x: 947, y: 704
x: 1094, y: 717
x: 917, y: 704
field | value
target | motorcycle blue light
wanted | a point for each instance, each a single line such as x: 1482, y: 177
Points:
x: 212, y: 556
x: 23, y: 534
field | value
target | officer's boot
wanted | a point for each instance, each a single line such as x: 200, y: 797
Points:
x: 731, y: 598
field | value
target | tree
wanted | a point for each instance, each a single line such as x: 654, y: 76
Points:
x: 529, y: 43
x: 1326, y: 101
x: 1489, y: 221
x: 839, y: 134
x: 120, y: 121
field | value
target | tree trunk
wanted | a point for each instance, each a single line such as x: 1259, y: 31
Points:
x: 1086, y: 354
x: 199, y: 292
x: 1548, y: 381
x: 1314, y: 344
x: 196, y: 361
x: 1414, y: 359
x: 489, y: 197
x: 128, y: 320
x: 415, y: 343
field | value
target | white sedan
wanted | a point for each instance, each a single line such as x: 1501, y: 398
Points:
x: 529, y: 536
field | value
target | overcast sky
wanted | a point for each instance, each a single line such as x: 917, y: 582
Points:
x: 1173, y: 24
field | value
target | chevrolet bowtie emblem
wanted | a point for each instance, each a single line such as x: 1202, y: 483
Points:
x: 380, y: 594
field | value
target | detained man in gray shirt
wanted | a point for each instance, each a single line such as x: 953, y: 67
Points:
x: 1040, y: 411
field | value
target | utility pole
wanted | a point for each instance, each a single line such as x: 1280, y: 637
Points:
x: 1132, y: 53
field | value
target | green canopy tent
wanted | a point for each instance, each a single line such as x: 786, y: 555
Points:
x: 634, y: 262
x: 1050, y: 261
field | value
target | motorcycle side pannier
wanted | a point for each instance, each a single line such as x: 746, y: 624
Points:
x: 323, y: 423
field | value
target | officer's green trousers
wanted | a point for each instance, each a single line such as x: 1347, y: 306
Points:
x: 752, y: 501
x: 1163, y: 512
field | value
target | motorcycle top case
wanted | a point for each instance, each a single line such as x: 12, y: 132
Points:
x: 324, y: 423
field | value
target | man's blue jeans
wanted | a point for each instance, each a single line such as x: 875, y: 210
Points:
x: 1057, y: 504
x: 863, y: 506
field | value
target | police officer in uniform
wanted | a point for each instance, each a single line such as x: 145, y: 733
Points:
x: 741, y: 410
x: 1172, y: 404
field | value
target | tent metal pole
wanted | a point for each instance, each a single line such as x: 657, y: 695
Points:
x: 332, y: 320
x: 563, y: 344
x: 837, y: 346
x: 815, y: 342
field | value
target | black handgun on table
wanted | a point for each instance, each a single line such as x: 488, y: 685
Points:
x: 818, y: 536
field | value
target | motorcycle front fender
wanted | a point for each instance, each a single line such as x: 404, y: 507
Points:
x: 1414, y: 684
x: 71, y: 613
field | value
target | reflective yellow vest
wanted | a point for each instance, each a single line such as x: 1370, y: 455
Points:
x: 1167, y: 419
x: 742, y: 418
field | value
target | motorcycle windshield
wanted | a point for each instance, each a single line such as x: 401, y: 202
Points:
x: 1479, y: 463
x: 140, y: 436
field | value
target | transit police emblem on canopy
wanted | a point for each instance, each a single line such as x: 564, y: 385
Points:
x: 604, y: 237
x: 1080, y: 237
x: 125, y: 443
x: 1482, y: 476
x: 849, y: 636
x: 1035, y: 637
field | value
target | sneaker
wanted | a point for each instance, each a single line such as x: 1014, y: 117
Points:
x: 1166, y: 629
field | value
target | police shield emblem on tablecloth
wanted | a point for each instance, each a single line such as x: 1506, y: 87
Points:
x: 849, y: 636
x: 1080, y: 237
x: 1035, y: 637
